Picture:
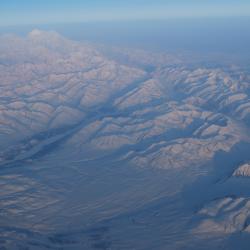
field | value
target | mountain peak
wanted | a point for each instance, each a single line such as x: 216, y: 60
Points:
x: 35, y: 32
x: 41, y: 34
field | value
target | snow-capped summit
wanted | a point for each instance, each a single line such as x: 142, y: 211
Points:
x: 35, y: 32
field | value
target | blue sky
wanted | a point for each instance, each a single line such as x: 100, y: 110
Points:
x: 13, y: 12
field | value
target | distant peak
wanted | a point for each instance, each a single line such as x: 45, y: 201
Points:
x: 35, y: 32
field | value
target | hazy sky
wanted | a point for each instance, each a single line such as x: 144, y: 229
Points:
x: 14, y: 12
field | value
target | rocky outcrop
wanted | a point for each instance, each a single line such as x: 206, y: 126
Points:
x: 226, y: 215
x: 243, y: 170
